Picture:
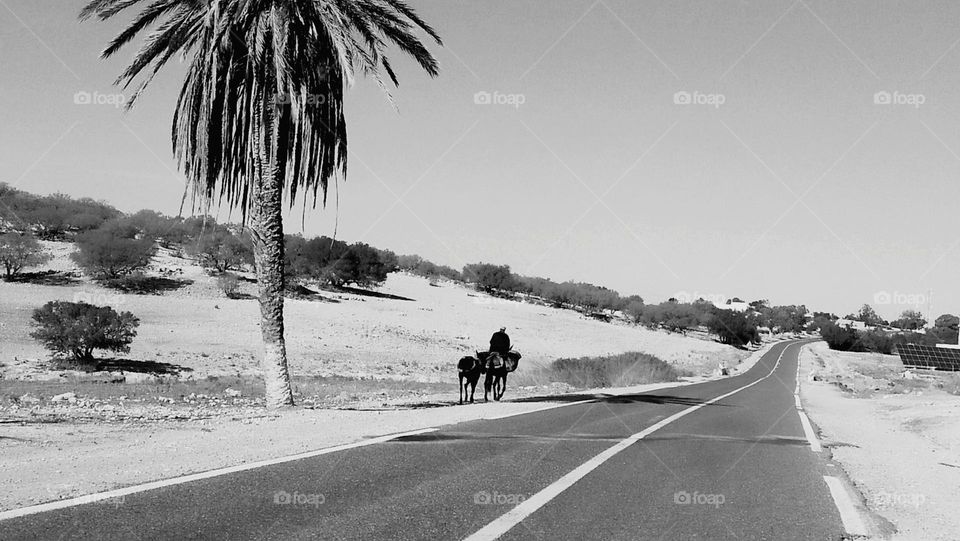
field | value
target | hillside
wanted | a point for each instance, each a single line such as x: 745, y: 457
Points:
x: 196, y: 329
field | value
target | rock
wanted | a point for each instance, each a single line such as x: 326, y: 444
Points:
x: 65, y: 397
x: 232, y: 393
x: 29, y: 399
x: 908, y: 375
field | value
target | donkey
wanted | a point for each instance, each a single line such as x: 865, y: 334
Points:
x: 496, y: 378
x: 469, y: 369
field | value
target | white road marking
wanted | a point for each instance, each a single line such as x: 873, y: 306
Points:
x: 809, y: 433
x: 808, y: 430
x: 504, y: 523
x: 852, y: 522
x: 90, y: 498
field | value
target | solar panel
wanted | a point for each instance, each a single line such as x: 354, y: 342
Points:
x: 929, y: 358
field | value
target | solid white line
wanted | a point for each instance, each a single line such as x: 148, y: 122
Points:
x: 504, y: 523
x: 90, y: 498
x: 809, y: 433
x: 804, y: 420
x: 852, y: 522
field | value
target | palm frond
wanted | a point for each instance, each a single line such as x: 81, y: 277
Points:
x: 264, y: 88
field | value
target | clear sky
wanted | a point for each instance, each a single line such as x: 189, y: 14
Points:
x: 783, y: 178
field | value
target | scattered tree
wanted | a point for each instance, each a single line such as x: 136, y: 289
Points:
x: 221, y: 250
x: 76, y: 329
x: 910, y: 320
x: 109, y: 253
x: 19, y: 251
x: 734, y: 328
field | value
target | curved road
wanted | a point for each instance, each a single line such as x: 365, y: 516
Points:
x: 726, y: 459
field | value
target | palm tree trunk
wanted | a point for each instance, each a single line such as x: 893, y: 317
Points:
x: 268, y: 257
x: 267, y: 225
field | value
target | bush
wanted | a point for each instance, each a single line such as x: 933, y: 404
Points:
x: 734, y: 328
x: 20, y: 251
x: 491, y: 278
x: 221, y: 250
x: 876, y: 341
x: 839, y: 338
x: 334, y: 262
x: 111, y: 252
x: 229, y: 284
x: 612, y: 371
x: 75, y: 329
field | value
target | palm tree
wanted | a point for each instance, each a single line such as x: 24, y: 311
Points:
x: 260, y: 113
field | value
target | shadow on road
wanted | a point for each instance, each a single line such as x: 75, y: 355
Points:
x: 620, y: 399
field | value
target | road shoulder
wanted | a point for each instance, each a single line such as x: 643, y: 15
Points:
x: 895, y: 448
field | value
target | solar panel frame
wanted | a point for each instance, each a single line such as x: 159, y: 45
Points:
x: 929, y: 357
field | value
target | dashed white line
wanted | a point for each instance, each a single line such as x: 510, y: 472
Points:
x: 505, y: 522
x: 849, y: 515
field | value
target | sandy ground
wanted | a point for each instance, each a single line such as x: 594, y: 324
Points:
x: 197, y: 328
x: 897, y: 438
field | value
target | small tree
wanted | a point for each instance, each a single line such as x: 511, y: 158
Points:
x: 75, y: 329
x: 111, y: 253
x: 20, y: 251
x: 221, y: 251
x: 491, y: 278
x: 734, y: 328
x: 229, y: 284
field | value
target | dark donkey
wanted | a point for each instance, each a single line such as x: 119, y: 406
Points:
x: 469, y: 369
x: 497, y: 367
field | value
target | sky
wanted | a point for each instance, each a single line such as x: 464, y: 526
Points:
x: 801, y: 151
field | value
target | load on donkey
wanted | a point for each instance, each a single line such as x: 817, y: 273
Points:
x: 496, y: 363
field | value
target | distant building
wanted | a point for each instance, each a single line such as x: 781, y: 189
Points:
x: 736, y: 306
x: 852, y: 324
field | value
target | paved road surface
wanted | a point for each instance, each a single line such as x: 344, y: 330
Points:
x: 734, y: 468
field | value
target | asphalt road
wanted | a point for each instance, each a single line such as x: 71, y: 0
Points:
x: 735, y: 468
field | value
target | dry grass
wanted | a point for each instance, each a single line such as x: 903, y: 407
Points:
x: 625, y: 369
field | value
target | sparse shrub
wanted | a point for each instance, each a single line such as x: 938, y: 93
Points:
x: 229, y: 284
x: 76, y: 329
x: 20, y: 251
x: 112, y: 252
